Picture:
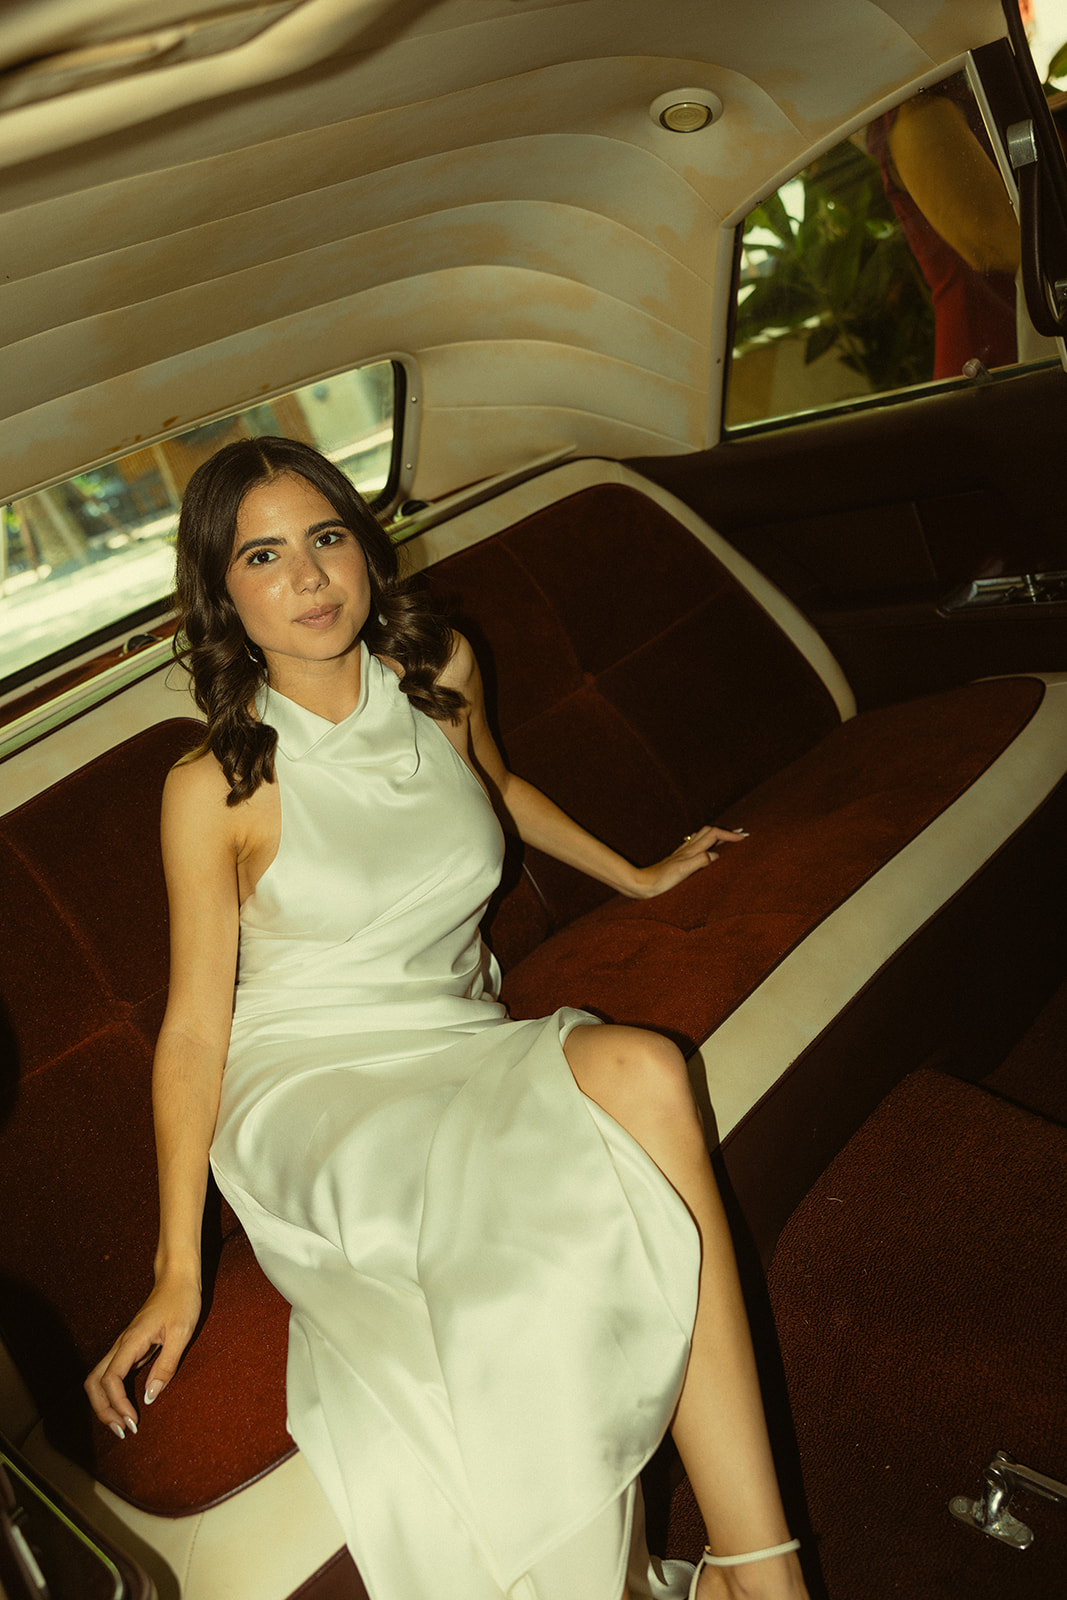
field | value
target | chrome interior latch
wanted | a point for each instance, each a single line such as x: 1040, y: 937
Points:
x: 992, y: 1514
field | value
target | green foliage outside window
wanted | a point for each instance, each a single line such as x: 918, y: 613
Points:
x: 837, y: 271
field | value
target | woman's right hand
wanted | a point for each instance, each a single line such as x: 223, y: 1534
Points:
x: 166, y: 1322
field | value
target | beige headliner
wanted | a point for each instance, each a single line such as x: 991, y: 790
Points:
x: 477, y: 184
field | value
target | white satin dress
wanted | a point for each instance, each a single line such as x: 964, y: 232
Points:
x: 492, y: 1286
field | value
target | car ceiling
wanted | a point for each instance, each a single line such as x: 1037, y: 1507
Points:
x: 203, y: 206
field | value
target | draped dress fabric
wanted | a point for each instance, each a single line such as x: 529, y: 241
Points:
x: 492, y: 1286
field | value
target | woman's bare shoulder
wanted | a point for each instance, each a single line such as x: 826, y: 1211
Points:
x: 195, y: 812
x: 197, y: 779
x: 460, y: 671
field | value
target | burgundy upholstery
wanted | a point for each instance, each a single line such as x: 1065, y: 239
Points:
x: 818, y: 830
x: 83, y: 953
x: 638, y: 684
x: 632, y: 677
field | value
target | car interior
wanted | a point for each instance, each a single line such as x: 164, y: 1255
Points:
x: 708, y: 364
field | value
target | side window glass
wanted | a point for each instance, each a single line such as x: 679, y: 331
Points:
x: 79, y: 559
x: 890, y: 261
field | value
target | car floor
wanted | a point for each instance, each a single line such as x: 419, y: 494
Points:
x: 1034, y: 1074
x: 913, y: 1326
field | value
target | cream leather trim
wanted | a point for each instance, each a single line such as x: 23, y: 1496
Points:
x: 481, y: 522
x: 261, y: 1544
x: 61, y: 751
x: 759, y: 1041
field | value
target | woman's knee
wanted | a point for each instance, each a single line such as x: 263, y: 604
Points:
x: 631, y: 1068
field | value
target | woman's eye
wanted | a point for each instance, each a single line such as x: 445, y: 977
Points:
x: 331, y: 536
x: 260, y: 558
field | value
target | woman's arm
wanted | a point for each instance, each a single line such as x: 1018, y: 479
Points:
x: 199, y: 858
x: 540, y: 822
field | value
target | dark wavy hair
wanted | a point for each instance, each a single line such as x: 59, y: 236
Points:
x: 211, y: 643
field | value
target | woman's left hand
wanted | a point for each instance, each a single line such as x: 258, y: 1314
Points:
x: 692, y: 854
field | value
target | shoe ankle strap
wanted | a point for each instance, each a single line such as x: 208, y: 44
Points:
x: 753, y: 1555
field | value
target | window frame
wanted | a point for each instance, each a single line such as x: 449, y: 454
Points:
x: 907, y: 394
x: 121, y: 651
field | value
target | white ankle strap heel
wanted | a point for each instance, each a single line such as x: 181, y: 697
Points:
x: 708, y: 1560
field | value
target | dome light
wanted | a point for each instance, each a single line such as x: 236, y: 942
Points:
x: 687, y: 116
x: 685, y: 110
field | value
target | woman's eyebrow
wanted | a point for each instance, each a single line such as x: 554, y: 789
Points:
x: 255, y: 544
x: 267, y: 539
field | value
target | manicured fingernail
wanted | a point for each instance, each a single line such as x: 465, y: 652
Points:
x: 116, y: 1430
x: 131, y: 1424
x: 152, y: 1390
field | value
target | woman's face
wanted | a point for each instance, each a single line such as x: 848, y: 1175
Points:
x: 297, y: 576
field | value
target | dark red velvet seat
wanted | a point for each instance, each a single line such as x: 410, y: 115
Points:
x: 818, y: 830
x: 84, y: 959
x: 647, y: 689
x: 632, y: 677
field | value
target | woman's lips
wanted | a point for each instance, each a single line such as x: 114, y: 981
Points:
x: 321, y: 617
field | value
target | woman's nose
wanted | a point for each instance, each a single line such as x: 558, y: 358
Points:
x: 309, y: 575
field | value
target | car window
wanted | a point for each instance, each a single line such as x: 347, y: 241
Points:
x: 890, y: 261
x: 82, y: 558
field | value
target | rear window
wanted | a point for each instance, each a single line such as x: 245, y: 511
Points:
x: 891, y: 263
x: 83, y: 560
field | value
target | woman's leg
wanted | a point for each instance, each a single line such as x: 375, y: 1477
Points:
x: 640, y: 1079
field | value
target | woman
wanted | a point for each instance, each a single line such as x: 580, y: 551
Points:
x: 483, y: 1352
